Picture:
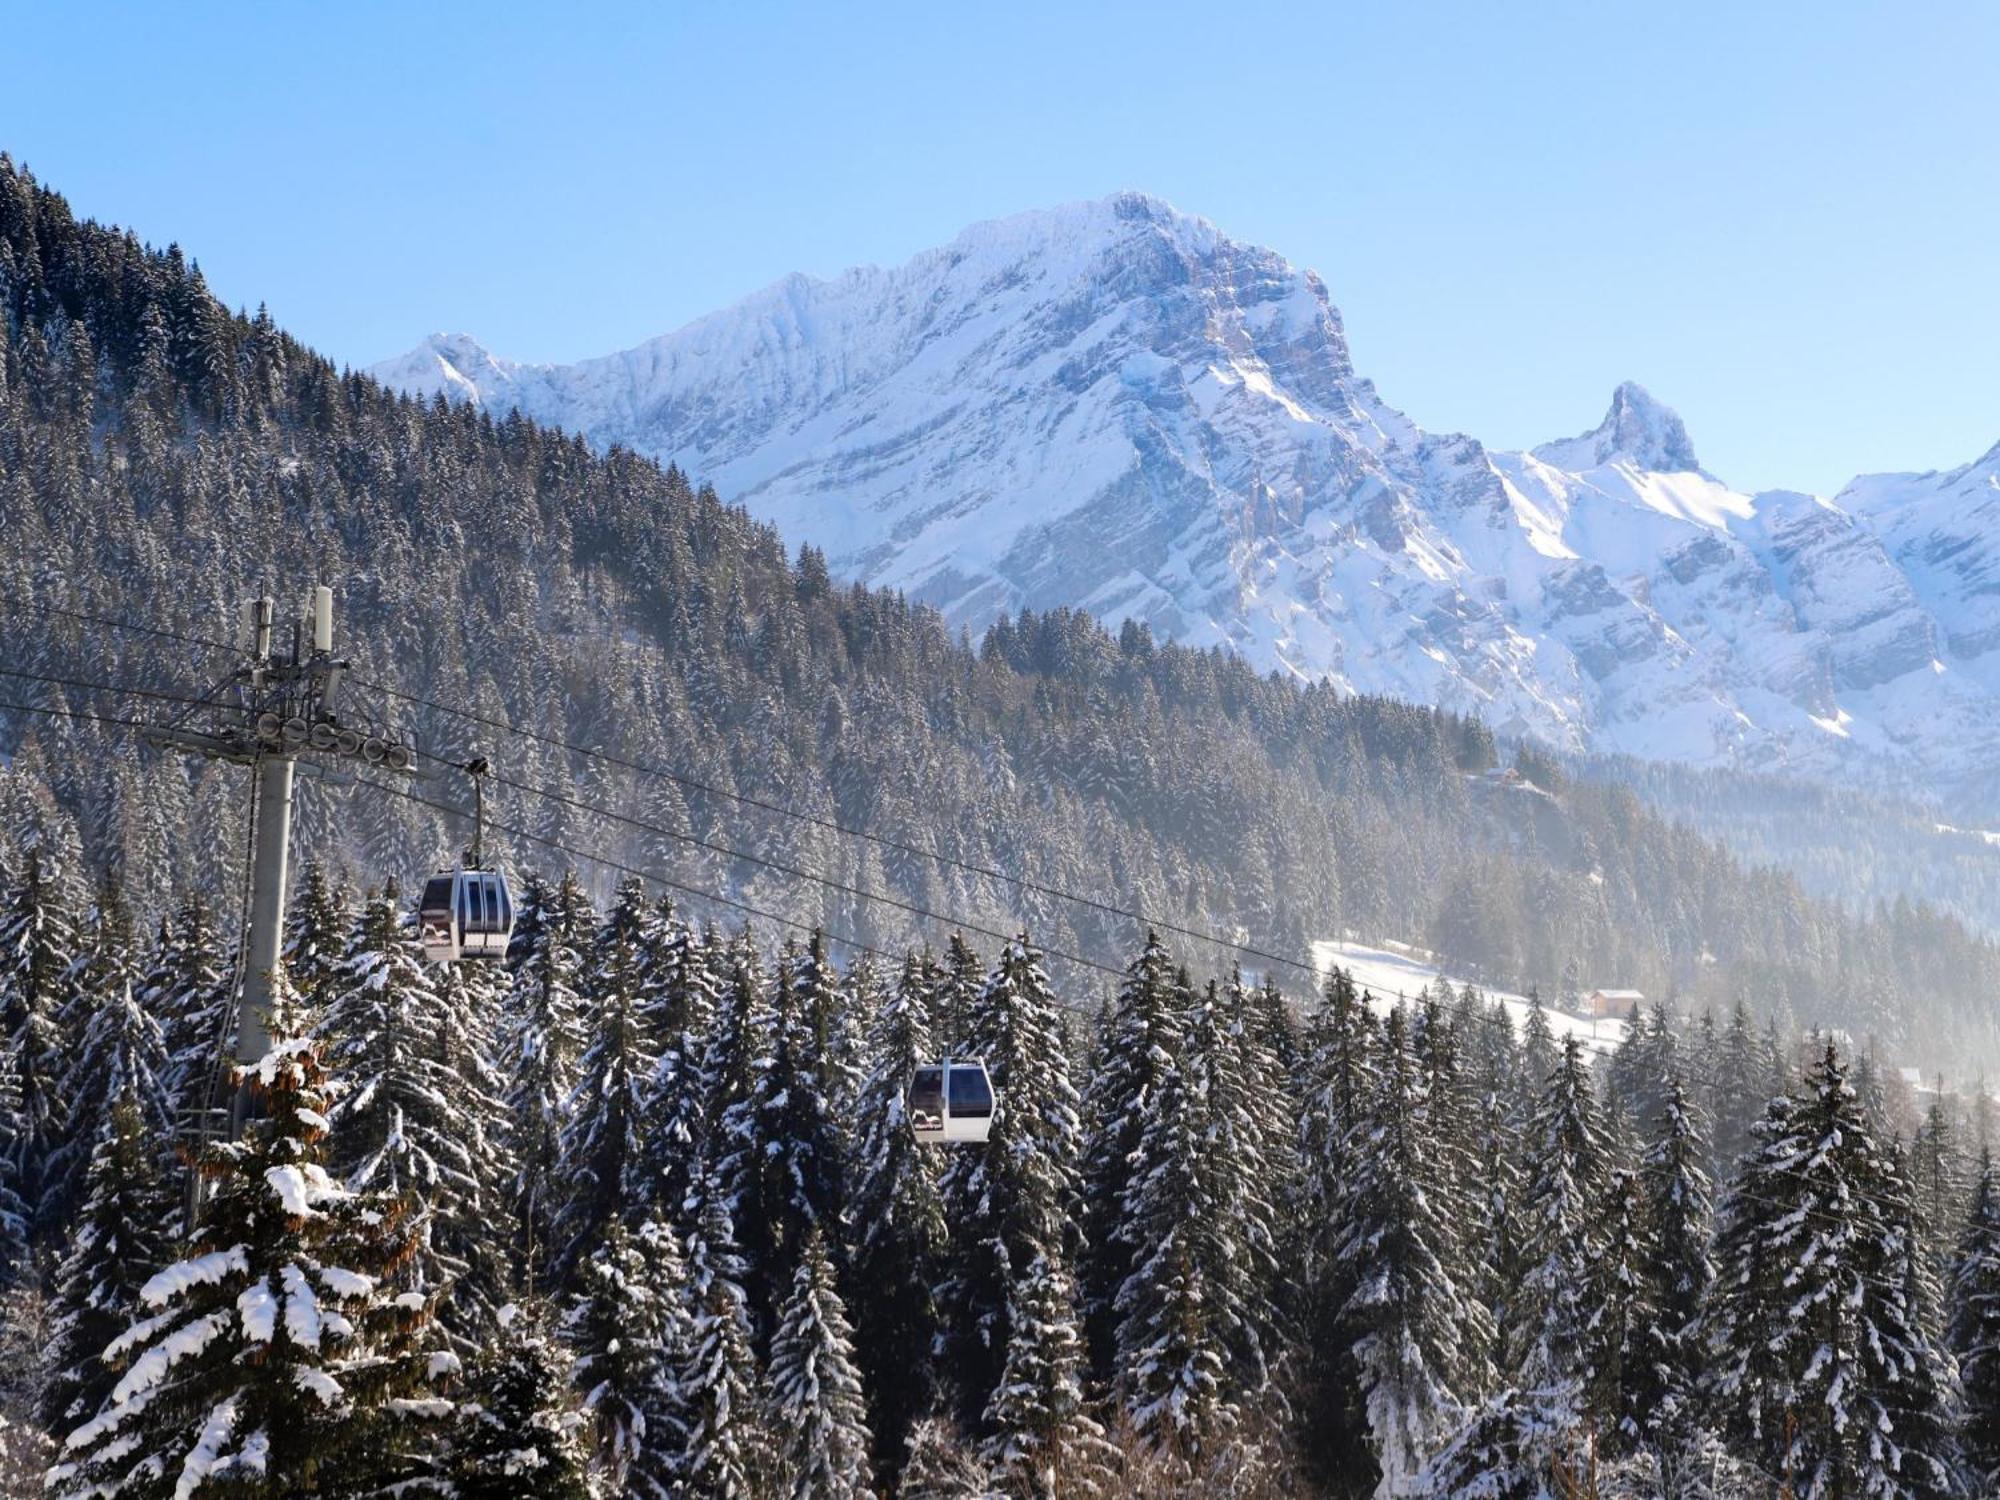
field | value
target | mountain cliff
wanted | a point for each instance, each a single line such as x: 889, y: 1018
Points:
x: 1114, y: 405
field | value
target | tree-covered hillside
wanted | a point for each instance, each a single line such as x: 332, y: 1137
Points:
x: 162, y: 458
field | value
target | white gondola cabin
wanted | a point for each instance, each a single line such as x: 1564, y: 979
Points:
x: 951, y: 1101
x: 466, y: 914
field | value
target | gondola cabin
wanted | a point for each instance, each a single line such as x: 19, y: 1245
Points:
x: 466, y: 914
x: 951, y: 1101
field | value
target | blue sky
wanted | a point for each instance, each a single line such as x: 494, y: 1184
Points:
x: 1780, y: 218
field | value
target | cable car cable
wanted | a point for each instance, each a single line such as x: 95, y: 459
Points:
x: 131, y: 625
x: 969, y: 867
x: 834, y: 826
x: 784, y: 869
x: 1723, y: 1198
x: 658, y: 879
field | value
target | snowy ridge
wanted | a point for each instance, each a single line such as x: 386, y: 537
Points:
x: 1114, y: 405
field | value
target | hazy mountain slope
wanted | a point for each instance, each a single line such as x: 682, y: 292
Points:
x: 1113, y: 405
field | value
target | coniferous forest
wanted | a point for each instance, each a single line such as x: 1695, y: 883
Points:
x: 637, y: 1211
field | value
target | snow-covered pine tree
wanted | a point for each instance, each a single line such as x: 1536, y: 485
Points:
x: 1011, y: 1204
x: 1973, y: 1327
x: 1340, y: 1081
x: 38, y: 951
x: 1414, y: 1336
x: 730, y: 1452
x: 816, y: 1401
x: 629, y: 1327
x: 120, y: 1240
x: 1567, y: 1175
x: 273, y: 1358
x: 1743, y: 1382
x: 1045, y: 1445
x: 679, y: 1015
x: 1251, y: 1146
x: 1643, y: 1062
x: 16, y: 1261
x: 105, y: 972
x: 898, y: 1223
x: 1823, y: 1368
x: 1539, y: 1057
x: 541, y: 1041
x: 188, y: 992
x: 832, y: 1028
x: 1493, y: 1236
x: 960, y: 978
x: 1736, y: 1093
x: 1451, y: 1112
x: 1624, y: 1347
x: 730, y: 1053
x: 1678, y: 1271
x: 468, y: 1045
x: 318, y: 924
x: 1937, y: 1176
x: 782, y: 1146
x: 1134, y: 1055
x: 1517, y: 1445
x: 1175, y: 1303
x: 516, y: 1432
x: 121, y: 1047
x: 1921, y: 1388
x: 408, y: 1123
x: 603, y: 1135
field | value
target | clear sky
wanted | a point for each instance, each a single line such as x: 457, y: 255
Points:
x: 1781, y: 218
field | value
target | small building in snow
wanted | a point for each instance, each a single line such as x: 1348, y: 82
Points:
x: 1614, y: 1005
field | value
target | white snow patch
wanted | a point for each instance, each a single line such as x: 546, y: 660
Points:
x: 1395, y: 973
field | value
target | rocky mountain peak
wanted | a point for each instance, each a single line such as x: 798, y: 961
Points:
x: 1638, y: 429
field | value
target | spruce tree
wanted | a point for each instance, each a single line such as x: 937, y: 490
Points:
x: 1825, y: 1370
x: 541, y: 1041
x: 816, y: 1400
x: 121, y: 1049
x: 188, y: 992
x: 1173, y: 1350
x: 678, y: 1015
x: 273, y: 1358
x: 120, y: 1241
x: 1560, y: 1236
x: 603, y: 1135
x: 898, y: 1223
x: 317, y: 926
x: 730, y: 1453
x: 1044, y: 1443
x: 629, y: 1327
x: 38, y: 950
x: 1678, y: 1271
x: 1415, y: 1338
x: 1134, y: 1056
x: 1250, y: 1146
x: 1339, y: 1083
x: 1624, y: 1348
x: 1011, y: 1203
x: 516, y: 1432
x: 780, y: 1144
x: 1973, y: 1329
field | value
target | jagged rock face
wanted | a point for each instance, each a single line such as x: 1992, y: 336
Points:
x: 1113, y: 405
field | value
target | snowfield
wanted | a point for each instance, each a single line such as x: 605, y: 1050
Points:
x: 1389, y: 975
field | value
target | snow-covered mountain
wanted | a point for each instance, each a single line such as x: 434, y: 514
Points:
x: 1113, y: 405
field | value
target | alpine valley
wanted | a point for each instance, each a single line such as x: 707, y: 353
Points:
x: 1114, y: 405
